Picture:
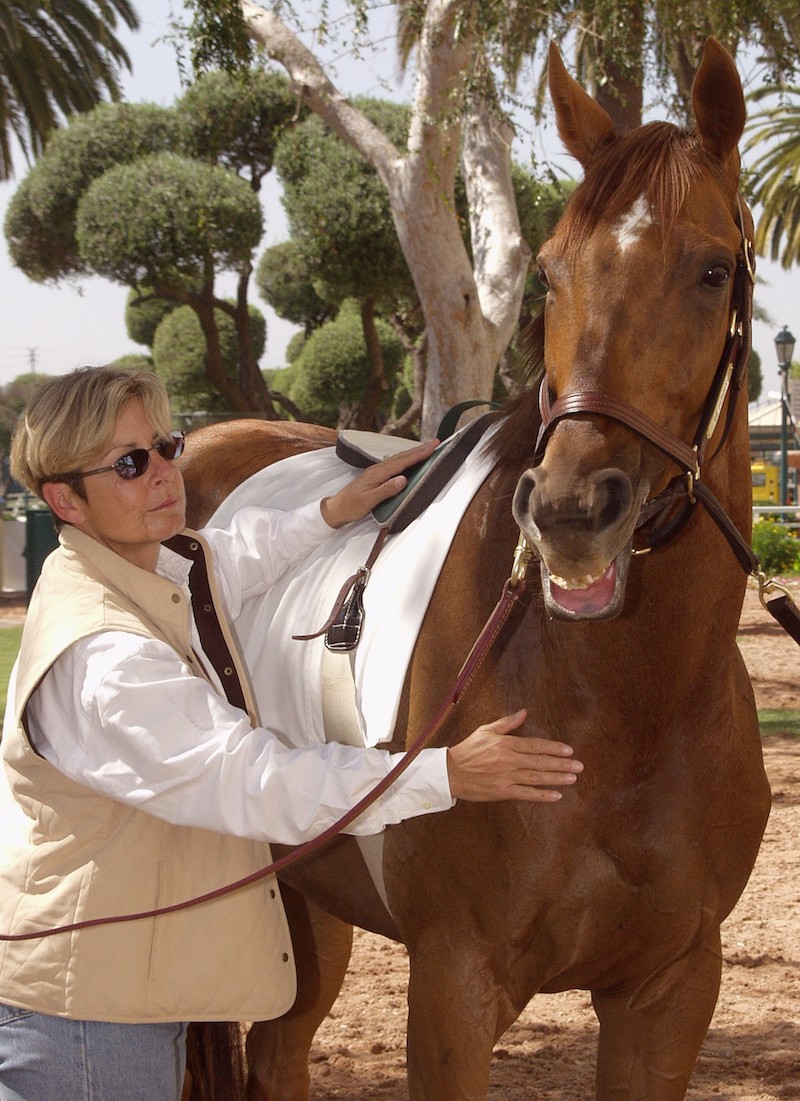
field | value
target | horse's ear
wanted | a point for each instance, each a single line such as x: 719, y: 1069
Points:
x: 718, y: 103
x: 583, y: 125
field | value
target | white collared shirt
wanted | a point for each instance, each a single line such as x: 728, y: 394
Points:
x: 124, y: 715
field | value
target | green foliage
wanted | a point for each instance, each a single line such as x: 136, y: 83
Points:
x: 284, y: 281
x: 144, y: 312
x: 163, y: 220
x: 10, y: 638
x: 179, y: 353
x: 755, y: 377
x: 331, y: 370
x: 218, y: 34
x: 295, y: 347
x: 774, y: 177
x: 13, y: 399
x: 339, y: 211
x: 237, y: 119
x: 539, y: 205
x: 133, y: 361
x: 777, y: 549
x: 40, y: 221
x: 55, y: 59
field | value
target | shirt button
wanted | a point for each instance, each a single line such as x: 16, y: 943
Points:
x: 427, y: 805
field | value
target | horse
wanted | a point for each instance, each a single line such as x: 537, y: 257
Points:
x: 620, y: 888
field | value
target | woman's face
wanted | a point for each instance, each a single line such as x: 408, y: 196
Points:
x: 132, y: 517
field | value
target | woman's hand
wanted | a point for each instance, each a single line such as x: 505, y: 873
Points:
x: 489, y: 766
x: 375, y: 484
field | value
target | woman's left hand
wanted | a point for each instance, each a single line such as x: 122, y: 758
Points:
x: 375, y: 484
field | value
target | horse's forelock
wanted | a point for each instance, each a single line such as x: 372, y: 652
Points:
x: 658, y: 160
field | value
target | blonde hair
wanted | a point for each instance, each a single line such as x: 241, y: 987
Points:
x: 70, y: 420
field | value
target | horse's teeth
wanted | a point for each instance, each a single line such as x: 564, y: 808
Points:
x: 578, y: 583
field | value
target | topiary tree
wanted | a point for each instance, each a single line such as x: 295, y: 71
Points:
x: 179, y: 351
x: 327, y: 378
x: 144, y: 312
x: 163, y: 201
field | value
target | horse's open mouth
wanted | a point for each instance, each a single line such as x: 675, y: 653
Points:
x: 596, y: 597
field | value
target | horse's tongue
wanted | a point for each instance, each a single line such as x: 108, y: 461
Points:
x: 593, y: 598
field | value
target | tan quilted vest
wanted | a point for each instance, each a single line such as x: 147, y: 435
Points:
x: 88, y: 856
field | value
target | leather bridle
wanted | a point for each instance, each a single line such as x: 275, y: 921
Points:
x: 686, y: 489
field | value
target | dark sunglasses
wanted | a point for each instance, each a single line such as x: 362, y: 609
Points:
x: 134, y: 463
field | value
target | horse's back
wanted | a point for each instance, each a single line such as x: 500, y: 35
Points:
x: 219, y: 457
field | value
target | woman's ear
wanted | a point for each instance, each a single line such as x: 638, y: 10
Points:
x: 64, y: 502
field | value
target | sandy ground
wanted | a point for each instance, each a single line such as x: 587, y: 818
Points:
x: 752, y: 1051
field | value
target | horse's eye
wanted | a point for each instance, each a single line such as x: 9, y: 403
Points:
x: 717, y: 276
x: 543, y: 278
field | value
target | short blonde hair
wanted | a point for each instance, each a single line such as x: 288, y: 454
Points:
x: 70, y: 420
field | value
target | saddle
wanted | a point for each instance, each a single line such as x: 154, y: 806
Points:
x: 343, y: 629
x: 425, y: 481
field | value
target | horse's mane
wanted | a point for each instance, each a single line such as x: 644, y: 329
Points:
x: 658, y: 161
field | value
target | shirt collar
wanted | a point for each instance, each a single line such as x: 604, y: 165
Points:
x: 174, y: 567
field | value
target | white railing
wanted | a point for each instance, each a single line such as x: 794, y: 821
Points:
x: 788, y: 516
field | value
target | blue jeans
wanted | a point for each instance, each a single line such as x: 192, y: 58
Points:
x: 44, y: 1058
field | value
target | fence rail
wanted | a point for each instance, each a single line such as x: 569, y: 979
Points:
x: 788, y: 516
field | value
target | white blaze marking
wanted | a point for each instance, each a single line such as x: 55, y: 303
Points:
x: 633, y: 224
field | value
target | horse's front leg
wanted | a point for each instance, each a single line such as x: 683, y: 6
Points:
x: 650, y: 1039
x: 278, y: 1051
x: 457, y: 1012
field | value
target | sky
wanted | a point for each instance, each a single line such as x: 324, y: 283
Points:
x: 52, y: 329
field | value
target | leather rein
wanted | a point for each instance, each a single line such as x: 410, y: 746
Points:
x: 513, y: 589
x: 662, y: 517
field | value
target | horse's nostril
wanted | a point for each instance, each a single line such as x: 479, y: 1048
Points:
x: 611, y: 499
x: 521, y: 507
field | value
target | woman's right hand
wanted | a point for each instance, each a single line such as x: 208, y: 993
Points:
x: 489, y: 766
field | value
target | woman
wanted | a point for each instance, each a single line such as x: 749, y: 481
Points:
x: 132, y: 748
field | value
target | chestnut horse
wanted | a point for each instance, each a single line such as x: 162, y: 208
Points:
x: 619, y: 889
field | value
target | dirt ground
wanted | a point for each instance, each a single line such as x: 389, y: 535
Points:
x: 752, y: 1051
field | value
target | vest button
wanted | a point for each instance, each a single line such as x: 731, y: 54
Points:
x: 207, y: 608
x: 176, y: 598
x: 285, y: 957
x: 271, y: 893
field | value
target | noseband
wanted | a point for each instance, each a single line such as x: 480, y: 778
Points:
x: 728, y: 382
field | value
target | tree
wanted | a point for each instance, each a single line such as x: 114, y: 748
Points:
x: 342, y: 230
x: 162, y: 201
x: 179, y: 353
x: 774, y: 178
x: 13, y: 399
x: 56, y: 58
x: 463, y: 52
x: 470, y: 303
x: 284, y: 281
x: 327, y: 378
x: 755, y: 377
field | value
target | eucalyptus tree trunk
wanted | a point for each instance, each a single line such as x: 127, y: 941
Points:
x: 470, y: 310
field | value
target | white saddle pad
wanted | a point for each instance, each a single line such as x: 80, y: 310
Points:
x: 287, y: 674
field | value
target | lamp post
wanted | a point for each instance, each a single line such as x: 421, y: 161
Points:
x: 784, y: 347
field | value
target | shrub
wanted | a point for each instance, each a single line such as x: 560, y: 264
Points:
x: 777, y: 549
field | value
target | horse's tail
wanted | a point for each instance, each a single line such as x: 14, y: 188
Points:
x: 215, y: 1062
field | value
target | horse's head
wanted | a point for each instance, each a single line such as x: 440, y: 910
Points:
x: 641, y: 320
